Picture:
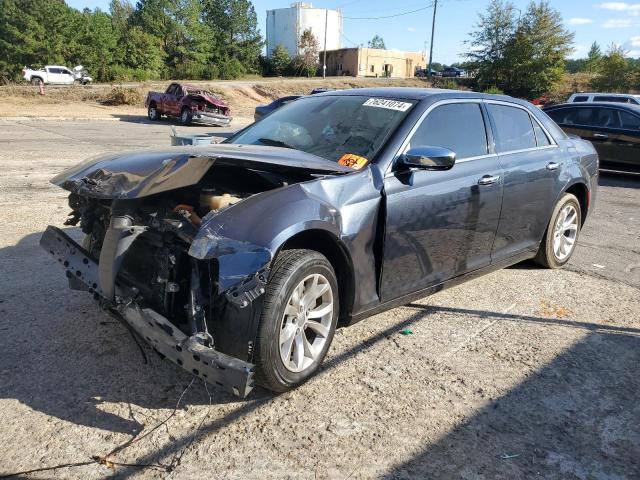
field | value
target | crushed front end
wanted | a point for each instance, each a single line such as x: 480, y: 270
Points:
x: 161, y: 250
x: 136, y: 264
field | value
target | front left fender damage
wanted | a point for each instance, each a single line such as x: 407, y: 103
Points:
x: 195, y: 289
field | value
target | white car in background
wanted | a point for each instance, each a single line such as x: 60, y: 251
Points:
x: 604, y: 97
x: 57, y: 75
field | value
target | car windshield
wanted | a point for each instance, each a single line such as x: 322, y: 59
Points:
x: 347, y: 129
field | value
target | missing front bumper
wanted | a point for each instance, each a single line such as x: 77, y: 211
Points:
x: 231, y: 374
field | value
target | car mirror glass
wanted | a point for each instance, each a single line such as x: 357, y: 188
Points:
x: 429, y: 158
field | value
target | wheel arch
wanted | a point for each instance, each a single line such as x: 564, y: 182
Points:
x: 326, y: 243
x: 581, y: 191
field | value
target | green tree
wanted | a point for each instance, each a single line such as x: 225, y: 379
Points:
x: 593, y: 58
x: 280, y: 61
x: 376, y: 42
x: 525, y: 58
x: 307, y: 59
x: 35, y: 32
x: 97, y: 43
x: 615, y: 72
x: 488, y: 44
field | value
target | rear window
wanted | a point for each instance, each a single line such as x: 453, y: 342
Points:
x: 514, y: 130
x: 630, y: 122
x: 572, y: 116
x: 606, y: 98
x: 580, y: 98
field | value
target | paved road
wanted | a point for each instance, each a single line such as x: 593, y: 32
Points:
x: 524, y: 373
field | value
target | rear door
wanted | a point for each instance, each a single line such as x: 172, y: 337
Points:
x: 532, y: 164
x: 441, y: 224
x: 625, y: 140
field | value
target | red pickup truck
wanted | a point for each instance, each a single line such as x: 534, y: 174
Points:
x: 188, y: 103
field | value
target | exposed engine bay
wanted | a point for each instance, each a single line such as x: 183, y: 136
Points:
x: 173, y: 248
x: 145, y: 242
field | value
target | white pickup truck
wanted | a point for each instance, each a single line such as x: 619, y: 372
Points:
x: 57, y: 75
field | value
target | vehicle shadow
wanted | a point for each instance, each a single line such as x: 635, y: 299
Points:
x: 143, y: 119
x: 577, y: 417
x: 63, y: 356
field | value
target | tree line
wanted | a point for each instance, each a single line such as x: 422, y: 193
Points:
x: 198, y: 39
x: 524, y: 53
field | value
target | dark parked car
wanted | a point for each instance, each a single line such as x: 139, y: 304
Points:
x: 613, y: 128
x: 452, y: 72
x: 262, y: 110
x: 238, y: 261
x: 189, y: 104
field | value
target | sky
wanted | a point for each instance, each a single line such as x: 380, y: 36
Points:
x: 603, y: 22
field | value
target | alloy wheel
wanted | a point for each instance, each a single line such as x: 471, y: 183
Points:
x: 565, y: 232
x: 306, y: 323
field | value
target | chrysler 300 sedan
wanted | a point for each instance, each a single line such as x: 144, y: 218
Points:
x: 238, y: 261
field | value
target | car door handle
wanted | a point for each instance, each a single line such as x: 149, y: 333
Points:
x: 602, y: 136
x: 552, y: 166
x: 488, y: 179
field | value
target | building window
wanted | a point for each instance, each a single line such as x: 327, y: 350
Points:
x: 373, y: 68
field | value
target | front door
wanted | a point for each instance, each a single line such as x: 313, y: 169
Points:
x: 441, y: 224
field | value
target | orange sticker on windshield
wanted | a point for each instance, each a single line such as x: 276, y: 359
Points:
x: 352, y: 160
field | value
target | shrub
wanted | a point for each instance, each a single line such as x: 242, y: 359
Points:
x: 493, y: 90
x: 123, y: 96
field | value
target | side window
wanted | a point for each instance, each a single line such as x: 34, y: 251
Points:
x: 606, y: 118
x: 456, y: 126
x: 628, y: 121
x: 541, y: 137
x: 514, y: 130
x: 604, y: 98
x: 578, y: 116
x: 580, y: 98
x: 54, y: 70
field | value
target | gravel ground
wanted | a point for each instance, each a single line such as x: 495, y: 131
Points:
x: 523, y: 373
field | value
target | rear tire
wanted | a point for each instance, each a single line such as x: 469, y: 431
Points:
x: 560, y: 239
x: 152, y: 112
x: 36, y: 81
x: 298, y: 319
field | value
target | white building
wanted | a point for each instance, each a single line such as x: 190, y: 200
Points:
x: 285, y: 26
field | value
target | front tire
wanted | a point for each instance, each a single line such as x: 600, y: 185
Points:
x: 186, y: 116
x: 561, y: 237
x: 298, y: 319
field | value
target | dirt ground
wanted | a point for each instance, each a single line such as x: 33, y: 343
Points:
x: 94, y: 101
x: 524, y: 373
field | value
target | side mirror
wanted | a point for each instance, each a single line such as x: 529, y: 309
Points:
x: 429, y: 158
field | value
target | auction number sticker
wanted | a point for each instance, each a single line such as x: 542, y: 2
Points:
x: 386, y: 103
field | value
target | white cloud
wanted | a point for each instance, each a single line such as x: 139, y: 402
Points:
x: 634, y: 42
x: 579, y: 21
x: 630, y: 8
x: 617, y: 23
x: 411, y: 29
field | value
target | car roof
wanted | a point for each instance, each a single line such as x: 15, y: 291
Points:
x: 623, y: 106
x: 608, y: 94
x: 413, y: 93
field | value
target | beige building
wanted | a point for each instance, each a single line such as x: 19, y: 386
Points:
x: 373, y: 62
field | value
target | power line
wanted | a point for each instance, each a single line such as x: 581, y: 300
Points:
x: 390, y: 16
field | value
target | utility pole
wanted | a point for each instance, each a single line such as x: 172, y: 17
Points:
x: 433, y: 28
x: 324, y: 53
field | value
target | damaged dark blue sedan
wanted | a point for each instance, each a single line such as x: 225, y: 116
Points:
x: 239, y: 260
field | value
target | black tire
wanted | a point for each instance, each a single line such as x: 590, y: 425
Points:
x: 35, y: 81
x: 152, y: 112
x: 290, y: 268
x: 186, y: 116
x: 546, y: 255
